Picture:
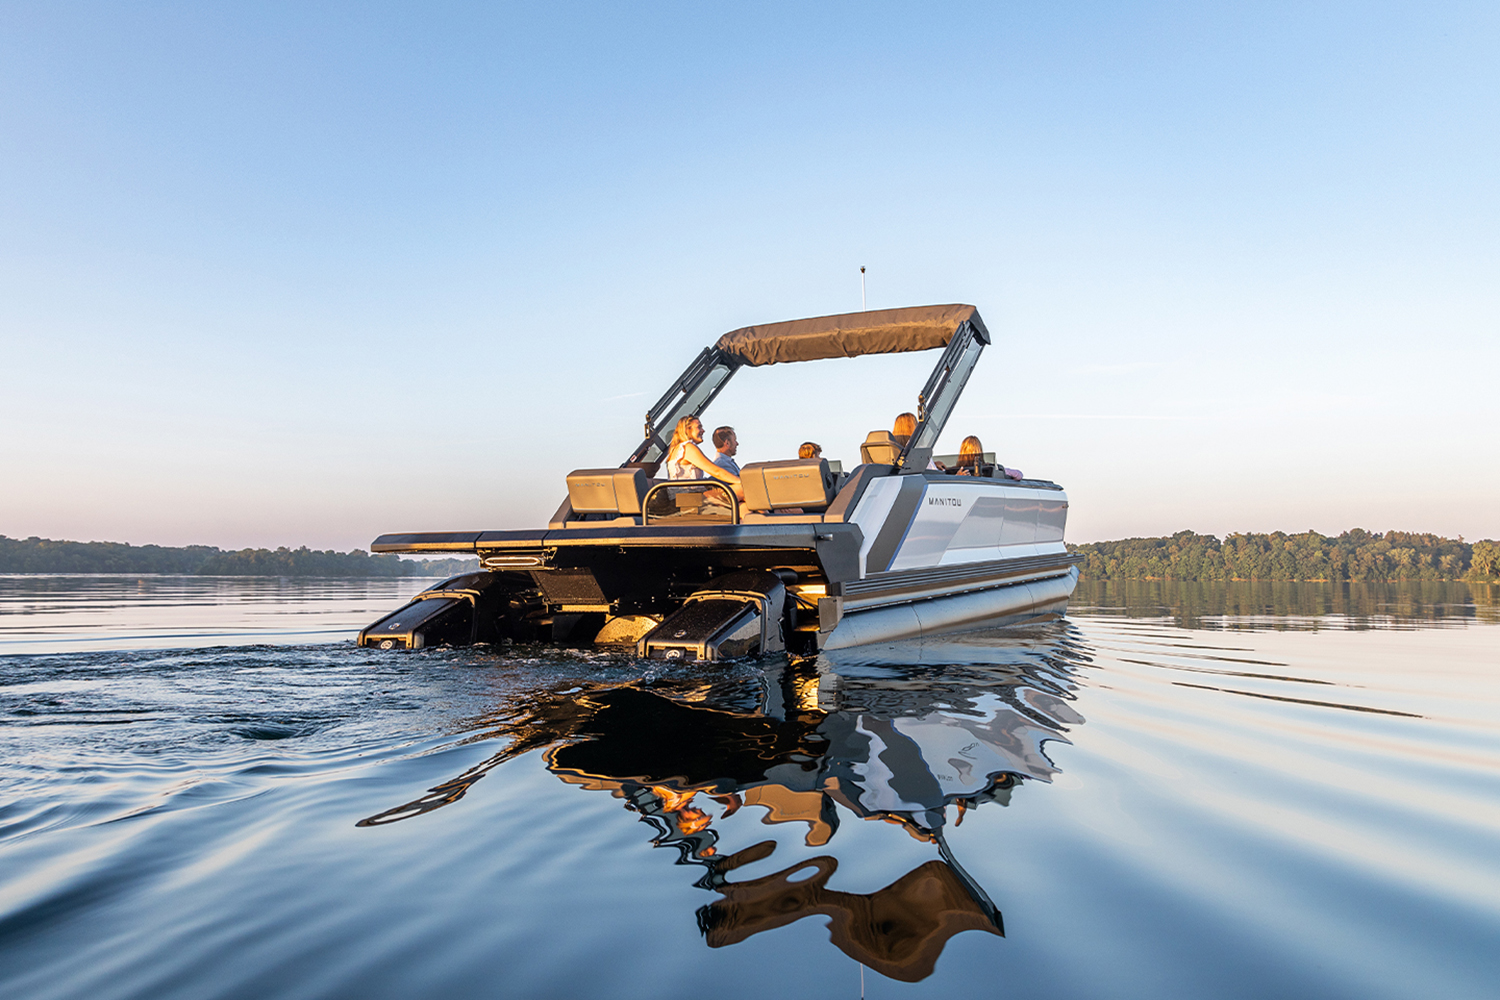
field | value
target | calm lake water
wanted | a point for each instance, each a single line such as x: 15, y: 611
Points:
x: 1176, y: 791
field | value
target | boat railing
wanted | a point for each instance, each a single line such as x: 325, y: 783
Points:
x: 690, y: 501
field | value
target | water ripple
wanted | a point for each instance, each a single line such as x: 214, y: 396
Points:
x: 1116, y: 805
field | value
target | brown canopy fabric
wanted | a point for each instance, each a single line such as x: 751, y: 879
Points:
x: 884, y: 331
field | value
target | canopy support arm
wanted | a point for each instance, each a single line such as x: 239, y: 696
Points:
x: 940, y: 394
x: 689, y: 396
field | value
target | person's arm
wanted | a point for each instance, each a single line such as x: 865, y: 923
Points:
x: 694, y: 456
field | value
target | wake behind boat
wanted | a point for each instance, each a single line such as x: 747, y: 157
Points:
x: 812, y: 558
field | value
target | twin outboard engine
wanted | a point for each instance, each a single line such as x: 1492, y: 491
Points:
x: 448, y: 614
x: 739, y: 615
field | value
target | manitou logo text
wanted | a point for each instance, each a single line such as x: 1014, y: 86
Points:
x: 946, y: 501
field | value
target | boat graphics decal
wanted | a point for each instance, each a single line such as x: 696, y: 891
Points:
x: 972, y: 520
x: 893, y: 532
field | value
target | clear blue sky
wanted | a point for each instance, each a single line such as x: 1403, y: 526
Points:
x: 303, y: 273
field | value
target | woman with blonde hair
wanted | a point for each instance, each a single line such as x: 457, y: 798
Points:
x: 902, y: 430
x: 970, y: 456
x: 971, y: 460
x: 685, y: 460
x: 904, y: 427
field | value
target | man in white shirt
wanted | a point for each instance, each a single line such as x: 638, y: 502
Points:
x: 727, y: 445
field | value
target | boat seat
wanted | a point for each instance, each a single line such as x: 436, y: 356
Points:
x: 881, y: 448
x: 652, y: 468
x: 802, y: 484
x: 607, y: 491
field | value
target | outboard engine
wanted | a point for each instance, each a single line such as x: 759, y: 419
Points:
x: 456, y: 612
x: 739, y: 615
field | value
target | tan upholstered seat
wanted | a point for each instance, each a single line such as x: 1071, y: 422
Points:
x: 607, y: 491
x: 801, y: 484
x: 881, y: 448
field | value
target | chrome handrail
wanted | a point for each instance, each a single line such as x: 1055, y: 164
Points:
x: 695, y: 484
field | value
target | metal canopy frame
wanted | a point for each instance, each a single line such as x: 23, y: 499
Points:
x: 938, y: 397
x: 711, y: 370
x: 689, y: 396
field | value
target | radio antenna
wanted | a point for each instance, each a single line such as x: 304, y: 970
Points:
x: 862, y: 306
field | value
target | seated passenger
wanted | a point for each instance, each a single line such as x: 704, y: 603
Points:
x: 971, y: 460
x: 902, y: 430
x: 727, y: 445
x: 685, y: 460
x: 810, y: 450
x: 970, y: 457
x: 904, y: 427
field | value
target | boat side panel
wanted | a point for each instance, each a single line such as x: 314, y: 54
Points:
x: 937, y: 518
x: 1051, y: 519
x: 871, y: 512
x: 852, y: 493
x: 1021, y: 508
x: 964, y: 520
x: 892, y: 503
x: 981, y: 525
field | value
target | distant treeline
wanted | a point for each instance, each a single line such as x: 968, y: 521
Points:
x: 1355, y: 555
x: 43, y: 555
x: 1289, y: 605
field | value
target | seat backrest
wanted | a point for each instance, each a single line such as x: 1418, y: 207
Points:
x: 804, y: 483
x: 652, y: 468
x: 881, y: 448
x: 607, y: 491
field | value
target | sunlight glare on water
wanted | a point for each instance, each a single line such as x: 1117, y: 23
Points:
x: 1175, y: 791
x: 61, y: 613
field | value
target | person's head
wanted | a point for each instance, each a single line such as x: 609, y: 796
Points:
x: 970, y: 451
x: 905, y: 426
x: 687, y: 429
x: 810, y: 450
x: 725, y: 441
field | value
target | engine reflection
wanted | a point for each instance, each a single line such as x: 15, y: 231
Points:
x: 914, y: 743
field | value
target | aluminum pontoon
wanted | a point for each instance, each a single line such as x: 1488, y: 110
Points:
x: 814, y: 558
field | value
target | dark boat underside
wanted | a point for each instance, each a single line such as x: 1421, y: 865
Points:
x: 708, y: 592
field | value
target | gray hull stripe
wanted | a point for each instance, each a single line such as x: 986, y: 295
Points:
x: 893, y: 532
x: 962, y: 576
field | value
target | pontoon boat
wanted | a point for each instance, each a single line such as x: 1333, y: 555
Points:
x: 813, y: 558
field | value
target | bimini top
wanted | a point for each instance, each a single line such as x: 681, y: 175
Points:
x: 884, y: 331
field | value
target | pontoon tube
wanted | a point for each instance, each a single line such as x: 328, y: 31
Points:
x: 941, y: 615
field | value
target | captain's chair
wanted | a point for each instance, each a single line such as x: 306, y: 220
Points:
x: 881, y: 448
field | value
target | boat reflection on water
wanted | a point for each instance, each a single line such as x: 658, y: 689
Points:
x: 914, y: 735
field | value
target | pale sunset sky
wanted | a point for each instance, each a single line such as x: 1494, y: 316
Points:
x: 299, y: 274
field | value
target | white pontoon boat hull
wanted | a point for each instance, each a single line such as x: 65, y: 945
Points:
x: 958, y: 613
x: 799, y: 557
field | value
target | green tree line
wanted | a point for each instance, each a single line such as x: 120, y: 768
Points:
x: 1355, y: 555
x: 44, y: 555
